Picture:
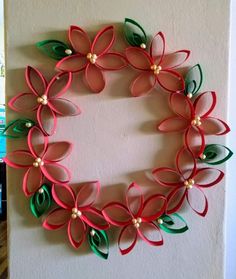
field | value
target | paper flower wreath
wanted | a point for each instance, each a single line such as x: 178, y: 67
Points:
x: 46, y: 181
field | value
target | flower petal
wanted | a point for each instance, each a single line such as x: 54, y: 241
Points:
x: 134, y: 199
x: 59, y: 84
x: 186, y: 163
x: 116, y: 214
x: 173, y: 124
x: 170, y: 80
x: 175, y: 59
x: 197, y: 201
x: 214, y: 126
x: 205, y: 103
x: 175, y: 199
x: 154, y: 207
x: 195, y: 140
x: 76, y: 231
x: 94, y: 78
x: 138, y: 58
x: 103, y: 40
x: 128, y: 233
x: 151, y: 234
x: 35, y: 81
x: 157, y: 49
x: 73, y: 63
x: 19, y: 159
x: 47, y: 119
x: 88, y: 194
x: 23, y: 102
x: 111, y: 61
x: 167, y: 177
x: 64, y: 107
x: 32, y: 181
x: 37, y: 142
x: 181, y: 105
x: 143, y: 84
x: 56, y: 173
x: 57, y: 151
x: 79, y: 40
x: 63, y: 195
x: 207, y: 177
x: 94, y: 218
x: 56, y: 219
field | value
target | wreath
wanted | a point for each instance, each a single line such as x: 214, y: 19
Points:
x: 45, y: 182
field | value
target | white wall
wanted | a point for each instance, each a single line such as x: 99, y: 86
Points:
x: 118, y: 153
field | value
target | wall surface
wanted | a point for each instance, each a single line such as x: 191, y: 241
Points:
x: 114, y: 138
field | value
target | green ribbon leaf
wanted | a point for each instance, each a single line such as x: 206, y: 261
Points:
x: 193, y: 80
x: 98, y: 239
x: 18, y: 128
x: 215, y: 154
x: 134, y: 33
x: 54, y: 49
x: 168, y: 222
x: 41, y: 201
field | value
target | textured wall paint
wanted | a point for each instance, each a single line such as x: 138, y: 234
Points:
x: 114, y: 137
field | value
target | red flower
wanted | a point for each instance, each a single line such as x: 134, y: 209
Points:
x: 76, y: 211
x: 156, y: 67
x: 187, y: 181
x: 41, y: 160
x: 136, y: 217
x: 45, y: 99
x: 194, y: 120
x: 93, y: 57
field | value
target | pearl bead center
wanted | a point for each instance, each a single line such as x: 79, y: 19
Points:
x: 38, y: 162
x: 42, y: 100
x: 92, y: 57
x: 137, y: 222
x: 156, y: 69
x: 189, y: 183
x: 75, y: 213
x: 196, y: 121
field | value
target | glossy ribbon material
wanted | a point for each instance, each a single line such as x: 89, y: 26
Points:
x: 41, y: 201
x: 97, y: 239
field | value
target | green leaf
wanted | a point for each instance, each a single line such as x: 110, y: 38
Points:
x: 134, y: 33
x: 18, y: 128
x: 97, y: 240
x: 215, y: 154
x: 193, y: 80
x: 53, y: 48
x: 173, y: 223
x: 41, y: 201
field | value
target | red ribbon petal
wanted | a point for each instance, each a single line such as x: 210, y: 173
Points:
x: 35, y: 81
x: 88, y: 194
x: 143, y: 84
x: 73, y: 63
x: 138, y: 58
x: 202, y: 212
x: 126, y: 233
x: 79, y: 40
x: 23, y: 102
x: 63, y: 195
x: 76, y: 232
x: 94, y: 78
x: 103, y: 41
x: 56, y: 219
x: 57, y: 151
x: 37, y: 142
x: 157, y: 48
x: 32, y: 181
x: 111, y: 61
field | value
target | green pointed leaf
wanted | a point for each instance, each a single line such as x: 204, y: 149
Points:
x: 173, y: 223
x: 53, y: 48
x: 193, y: 80
x: 215, y: 154
x: 134, y: 33
x: 18, y: 128
x: 98, y: 241
x: 41, y: 201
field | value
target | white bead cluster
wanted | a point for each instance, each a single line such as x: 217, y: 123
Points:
x: 38, y: 162
x: 143, y: 46
x: 75, y: 213
x: 196, y: 121
x: 137, y: 222
x: 189, y: 183
x: 42, y: 100
x: 156, y: 69
x: 92, y: 58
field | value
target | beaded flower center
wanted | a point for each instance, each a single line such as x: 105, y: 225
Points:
x: 189, y: 183
x: 42, y: 100
x: 196, y: 121
x: 137, y: 222
x: 156, y: 69
x: 92, y: 57
x: 75, y: 213
x: 38, y: 162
